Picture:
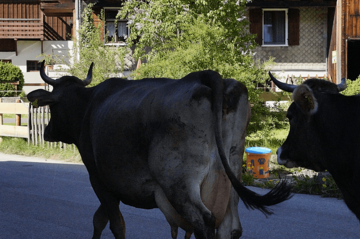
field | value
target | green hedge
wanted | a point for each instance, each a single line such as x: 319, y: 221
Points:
x: 353, y: 87
x: 9, y: 72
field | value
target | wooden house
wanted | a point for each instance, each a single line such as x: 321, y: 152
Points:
x: 307, y: 38
x: 345, y: 41
x: 29, y: 28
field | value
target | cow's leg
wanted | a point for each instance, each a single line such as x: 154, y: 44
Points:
x: 188, y: 235
x: 171, y: 215
x: 174, y: 232
x: 109, y: 206
x: 177, y: 205
x: 191, y: 207
x: 230, y: 227
x: 99, y: 221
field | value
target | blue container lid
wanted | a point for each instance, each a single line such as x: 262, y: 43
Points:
x: 258, y: 150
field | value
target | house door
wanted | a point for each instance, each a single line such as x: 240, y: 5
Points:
x: 353, y: 59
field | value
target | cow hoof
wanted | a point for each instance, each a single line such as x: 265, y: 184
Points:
x: 236, y: 234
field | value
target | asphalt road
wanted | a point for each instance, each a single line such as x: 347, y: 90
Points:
x: 53, y: 200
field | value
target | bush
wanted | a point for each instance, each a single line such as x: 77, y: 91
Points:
x: 9, y: 72
x: 353, y: 87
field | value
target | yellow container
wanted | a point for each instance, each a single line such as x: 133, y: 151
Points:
x: 257, y: 161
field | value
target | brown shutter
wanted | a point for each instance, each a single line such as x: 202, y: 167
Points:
x: 294, y: 26
x: 255, y: 17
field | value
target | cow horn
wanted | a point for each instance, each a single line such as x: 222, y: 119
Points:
x: 281, y: 85
x: 88, y: 79
x: 45, y: 78
x: 342, y: 86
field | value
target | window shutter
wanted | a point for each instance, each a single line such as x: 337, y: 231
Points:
x: 255, y: 17
x: 294, y: 26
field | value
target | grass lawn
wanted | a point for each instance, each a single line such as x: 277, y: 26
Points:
x: 20, y: 146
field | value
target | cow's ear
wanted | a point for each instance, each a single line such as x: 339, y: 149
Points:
x: 305, y: 99
x: 41, y: 98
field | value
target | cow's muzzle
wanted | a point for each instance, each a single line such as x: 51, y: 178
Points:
x: 286, y: 162
x: 280, y: 161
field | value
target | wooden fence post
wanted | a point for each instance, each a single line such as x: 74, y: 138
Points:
x: 1, y: 115
x: 18, y: 116
x: 29, y: 123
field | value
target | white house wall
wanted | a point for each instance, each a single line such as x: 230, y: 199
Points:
x: 31, y: 51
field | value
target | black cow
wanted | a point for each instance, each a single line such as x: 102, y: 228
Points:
x: 159, y: 143
x: 324, y: 134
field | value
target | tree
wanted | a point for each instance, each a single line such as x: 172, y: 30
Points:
x: 90, y: 47
x: 186, y: 36
x: 9, y: 72
x: 163, y: 23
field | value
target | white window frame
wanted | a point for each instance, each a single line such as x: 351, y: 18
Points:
x: 105, y: 29
x: 286, y: 27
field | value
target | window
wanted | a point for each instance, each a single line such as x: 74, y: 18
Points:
x: 33, y: 66
x: 117, y: 33
x: 275, y: 27
x: 7, y: 45
x: 5, y: 61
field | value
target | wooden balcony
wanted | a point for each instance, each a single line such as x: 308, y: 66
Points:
x: 18, y: 28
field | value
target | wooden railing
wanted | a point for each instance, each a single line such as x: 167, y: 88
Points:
x: 33, y: 131
x: 17, y: 28
x: 290, y: 79
x: 14, y: 130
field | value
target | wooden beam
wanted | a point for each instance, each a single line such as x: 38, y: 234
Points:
x: 57, y: 13
x: 15, y: 82
x: 16, y: 50
x: 57, y: 6
x: 13, y: 108
x: 34, y: 84
x: 292, y: 3
x: 14, y: 131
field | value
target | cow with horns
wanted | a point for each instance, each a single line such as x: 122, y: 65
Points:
x: 324, y: 134
x: 176, y: 145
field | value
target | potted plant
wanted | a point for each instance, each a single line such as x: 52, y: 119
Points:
x: 49, y: 61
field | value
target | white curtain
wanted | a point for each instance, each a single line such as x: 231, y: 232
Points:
x: 110, y: 28
x: 122, y: 30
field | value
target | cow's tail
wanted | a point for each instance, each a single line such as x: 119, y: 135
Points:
x: 280, y: 193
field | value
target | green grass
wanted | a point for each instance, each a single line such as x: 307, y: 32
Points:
x: 20, y: 146
x: 272, y: 139
x: 12, y: 116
